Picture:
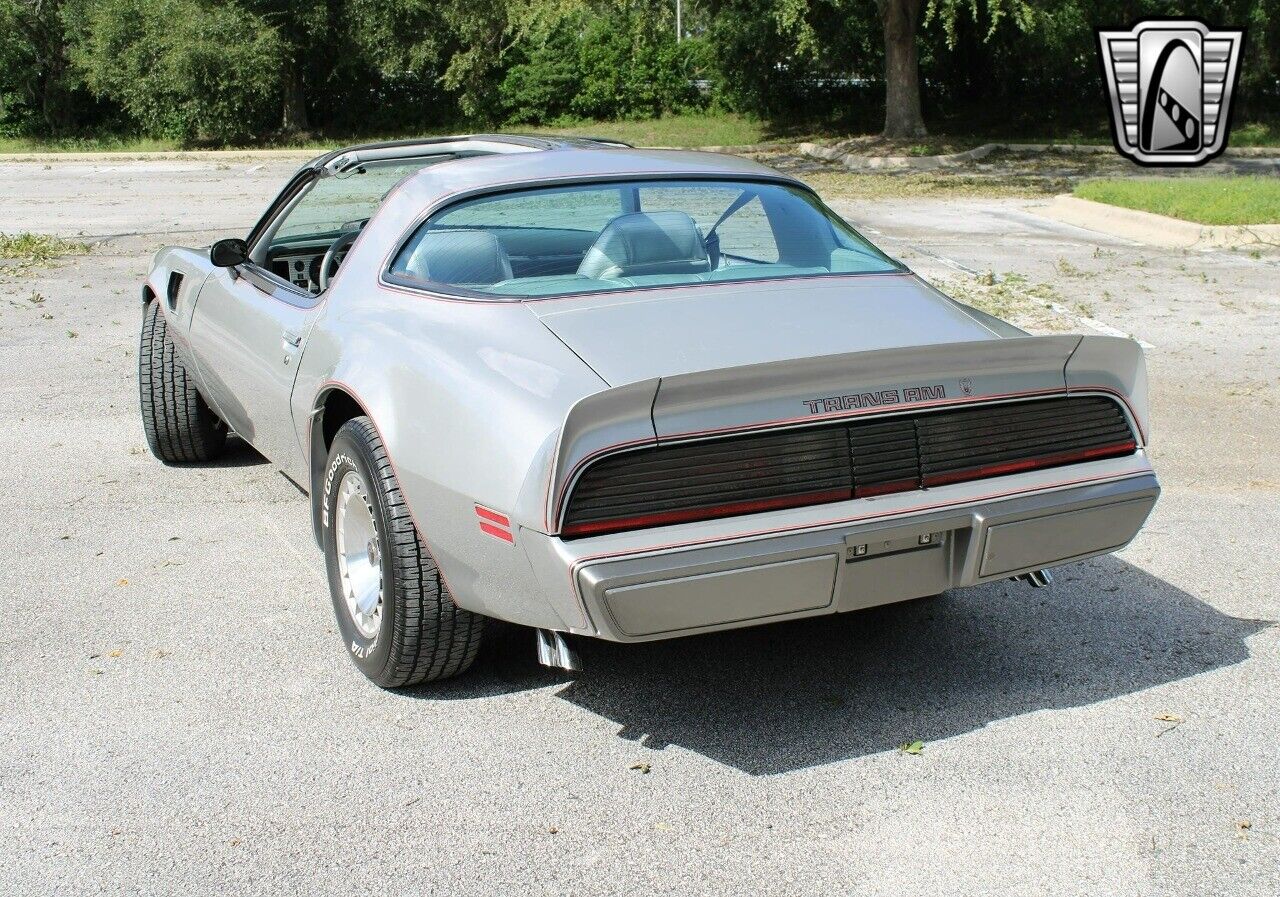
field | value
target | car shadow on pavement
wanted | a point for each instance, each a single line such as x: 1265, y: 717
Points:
x: 237, y: 453
x: 773, y: 699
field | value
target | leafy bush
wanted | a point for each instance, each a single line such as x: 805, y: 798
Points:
x: 189, y: 70
x: 621, y: 65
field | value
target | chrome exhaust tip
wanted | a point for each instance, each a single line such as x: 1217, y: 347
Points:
x: 554, y: 651
x: 1039, y: 579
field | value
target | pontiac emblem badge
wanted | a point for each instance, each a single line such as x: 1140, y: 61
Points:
x: 1170, y: 82
x: 966, y: 386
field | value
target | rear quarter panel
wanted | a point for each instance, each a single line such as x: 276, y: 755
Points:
x: 469, y: 399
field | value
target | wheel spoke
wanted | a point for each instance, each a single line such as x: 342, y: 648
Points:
x: 359, y: 554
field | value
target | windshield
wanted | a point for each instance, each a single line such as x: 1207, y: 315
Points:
x: 631, y: 235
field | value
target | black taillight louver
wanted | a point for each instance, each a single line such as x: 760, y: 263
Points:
x: 835, y: 462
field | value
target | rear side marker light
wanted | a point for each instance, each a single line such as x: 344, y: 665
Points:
x: 494, y: 524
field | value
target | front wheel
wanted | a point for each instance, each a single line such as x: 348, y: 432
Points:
x: 396, y: 616
x: 180, y: 427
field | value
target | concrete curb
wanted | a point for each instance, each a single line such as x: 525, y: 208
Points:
x: 855, y: 162
x: 1155, y: 230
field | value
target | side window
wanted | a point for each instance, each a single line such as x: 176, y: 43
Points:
x: 324, y: 221
x: 747, y: 234
x: 339, y: 200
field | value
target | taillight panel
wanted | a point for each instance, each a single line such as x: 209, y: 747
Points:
x: 875, y: 456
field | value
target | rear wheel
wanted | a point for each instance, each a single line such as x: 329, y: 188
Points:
x: 180, y: 427
x: 394, y: 611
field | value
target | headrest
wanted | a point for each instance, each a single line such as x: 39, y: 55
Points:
x: 459, y: 257
x: 646, y: 243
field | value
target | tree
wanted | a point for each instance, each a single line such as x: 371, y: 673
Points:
x: 903, y: 116
x: 306, y: 30
x: 615, y: 60
x: 191, y: 70
x: 34, y: 62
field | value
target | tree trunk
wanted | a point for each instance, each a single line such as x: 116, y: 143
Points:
x: 293, y: 117
x: 902, y: 115
x: 55, y: 99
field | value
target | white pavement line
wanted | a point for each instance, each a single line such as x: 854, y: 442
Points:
x: 1105, y: 329
x: 950, y: 263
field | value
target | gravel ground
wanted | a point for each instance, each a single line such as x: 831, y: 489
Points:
x: 180, y: 718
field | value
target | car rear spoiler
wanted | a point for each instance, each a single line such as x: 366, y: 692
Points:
x: 796, y: 392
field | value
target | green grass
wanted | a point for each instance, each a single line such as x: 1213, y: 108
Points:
x: 37, y: 249
x: 691, y: 130
x: 106, y: 144
x: 1205, y: 200
x: 673, y: 130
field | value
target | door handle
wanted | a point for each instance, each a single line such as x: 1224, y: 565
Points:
x: 291, y: 339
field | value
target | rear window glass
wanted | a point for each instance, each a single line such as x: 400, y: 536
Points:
x: 631, y: 235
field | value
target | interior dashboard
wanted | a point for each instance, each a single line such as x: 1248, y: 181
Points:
x: 300, y: 265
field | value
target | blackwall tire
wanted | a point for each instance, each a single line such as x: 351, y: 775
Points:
x: 397, y: 619
x: 180, y: 427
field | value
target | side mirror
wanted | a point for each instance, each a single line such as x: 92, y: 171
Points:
x: 229, y: 253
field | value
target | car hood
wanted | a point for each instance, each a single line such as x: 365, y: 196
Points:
x: 661, y: 332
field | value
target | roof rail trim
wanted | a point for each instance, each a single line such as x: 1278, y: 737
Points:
x: 524, y: 141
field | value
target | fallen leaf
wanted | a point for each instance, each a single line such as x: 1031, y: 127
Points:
x: 1244, y: 825
x: 123, y: 582
x: 1169, y: 718
x: 117, y: 652
x: 552, y: 830
x: 911, y: 747
x: 662, y: 826
x: 641, y: 766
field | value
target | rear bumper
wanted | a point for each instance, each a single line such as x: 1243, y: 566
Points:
x: 686, y: 589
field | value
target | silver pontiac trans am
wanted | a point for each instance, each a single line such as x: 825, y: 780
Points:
x: 632, y: 395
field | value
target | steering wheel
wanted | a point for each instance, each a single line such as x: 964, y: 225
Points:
x: 329, y: 264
